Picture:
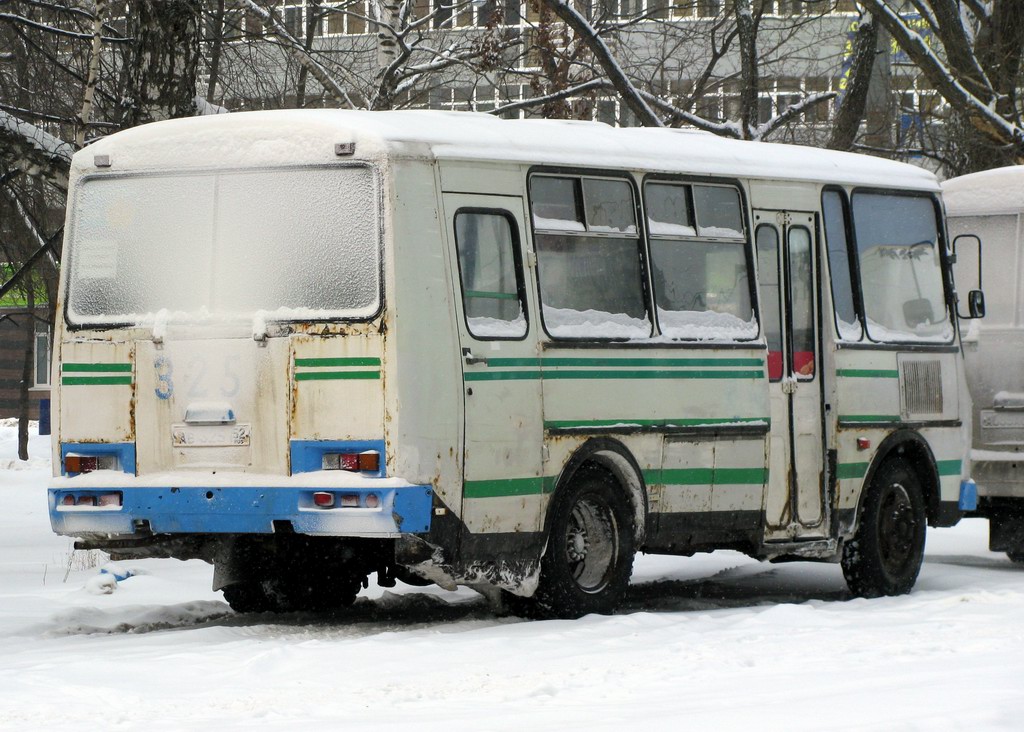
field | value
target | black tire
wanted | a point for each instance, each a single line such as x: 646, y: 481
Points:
x: 315, y: 593
x: 249, y: 597
x: 1016, y: 556
x: 885, y: 554
x: 589, y: 555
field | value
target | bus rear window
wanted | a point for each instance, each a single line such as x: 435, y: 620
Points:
x: 900, y: 268
x: 290, y: 244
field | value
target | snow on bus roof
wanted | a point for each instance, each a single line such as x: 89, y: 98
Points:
x: 997, y: 191
x: 292, y: 137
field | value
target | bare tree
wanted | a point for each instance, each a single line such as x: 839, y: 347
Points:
x: 971, y: 53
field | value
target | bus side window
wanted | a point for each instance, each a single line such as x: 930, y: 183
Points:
x: 490, y: 275
x: 771, y: 311
x: 701, y: 283
x: 833, y: 207
x: 588, y: 257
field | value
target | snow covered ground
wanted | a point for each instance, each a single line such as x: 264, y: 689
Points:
x: 714, y: 642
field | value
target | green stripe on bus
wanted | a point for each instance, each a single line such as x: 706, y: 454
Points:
x: 332, y: 375
x: 96, y: 367
x: 653, y: 374
x: 707, y: 476
x: 869, y: 373
x: 569, y: 423
x: 508, y: 487
x: 500, y: 375
x: 851, y: 470
x: 491, y: 295
x: 519, y: 375
x: 663, y: 362
x: 96, y: 380
x: 869, y: 418
x: 324, y: 362
x: 949, y: 467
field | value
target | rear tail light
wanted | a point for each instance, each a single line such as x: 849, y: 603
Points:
x: 101, y: 500
x: 323, y: 499
x: 328, y: 499
x: 355, y: 462
x: 74, y: 463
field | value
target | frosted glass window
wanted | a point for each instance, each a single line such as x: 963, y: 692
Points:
x: 291, y: 244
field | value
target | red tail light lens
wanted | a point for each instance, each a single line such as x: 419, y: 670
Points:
x: 348, y: 462
x: 372, y: 500
x: 80, y: 463
x: 323, y: 499
x: 67, y: 500
x: 355, y: 462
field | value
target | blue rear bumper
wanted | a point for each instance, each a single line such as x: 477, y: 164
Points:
x: 243, y: 510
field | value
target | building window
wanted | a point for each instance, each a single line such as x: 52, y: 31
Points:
x: 42, y: 355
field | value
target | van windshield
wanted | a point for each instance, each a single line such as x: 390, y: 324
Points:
x: 289, y: 244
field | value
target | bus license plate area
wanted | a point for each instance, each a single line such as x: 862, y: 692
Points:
x: 227, y: 435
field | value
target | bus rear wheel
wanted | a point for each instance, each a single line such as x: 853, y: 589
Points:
x: 589, y: 556
x: 1016, y: 556
x: 885, y: 554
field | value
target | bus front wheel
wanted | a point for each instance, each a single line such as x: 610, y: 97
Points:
x: 589, y: 556
x: 885, y: 554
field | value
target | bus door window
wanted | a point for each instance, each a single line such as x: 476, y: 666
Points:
x: 771, y: 311
x: 490, y: 275
x: 801, y: 295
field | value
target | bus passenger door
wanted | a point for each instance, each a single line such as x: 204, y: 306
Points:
x: 502, y: 488
x: 787, y: 274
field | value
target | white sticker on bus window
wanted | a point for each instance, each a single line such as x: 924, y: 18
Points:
x: 96, y: 259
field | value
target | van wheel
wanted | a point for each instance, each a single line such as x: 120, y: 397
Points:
x: 885, y: 554
x: 589, y: 556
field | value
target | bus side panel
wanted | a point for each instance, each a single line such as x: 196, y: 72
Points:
x: 881, y: 391
x: 695, y: 421
x: 422, y: 379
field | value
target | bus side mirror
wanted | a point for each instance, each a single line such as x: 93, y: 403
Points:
x: 976, y: 303
x: 975, y: 297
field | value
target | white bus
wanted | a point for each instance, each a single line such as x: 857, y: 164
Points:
x: 991, y: 205
x: 312, y: 346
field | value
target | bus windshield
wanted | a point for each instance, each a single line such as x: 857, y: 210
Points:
x: 900, y: 268
x: 290, y: 244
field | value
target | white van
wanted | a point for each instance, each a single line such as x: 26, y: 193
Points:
x: 442, y: 347
x: 990, y: 205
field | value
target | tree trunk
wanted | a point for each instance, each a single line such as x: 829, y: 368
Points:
x: 747, y: 30
x: 854, y: 105
x: 216, y: 46
x: 164, y: 61
x: 26, y: 371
